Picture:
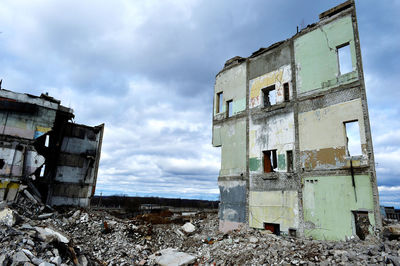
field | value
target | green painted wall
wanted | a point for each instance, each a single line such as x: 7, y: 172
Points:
x: 316, y: 56
x: 281, y: 162
x: 232, y: 83
x: 329, y: 202
x: 254, y: 164
x: 239, y: 105
x: 233, y: 153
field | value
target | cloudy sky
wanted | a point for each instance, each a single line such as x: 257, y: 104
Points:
x: 146, y: 69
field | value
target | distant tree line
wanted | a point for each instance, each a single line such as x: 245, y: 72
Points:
x: 134, y: 203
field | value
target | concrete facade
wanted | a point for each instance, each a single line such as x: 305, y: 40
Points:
x: 40, y: 148
x: 292, y: 122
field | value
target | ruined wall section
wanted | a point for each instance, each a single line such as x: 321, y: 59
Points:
x: 337, y: 185
x: 273, y: 197
x: 321, y: 71
x: 58, y: 160
x: 23, y: 119
x: 229, y: 133
x: 76, y: 172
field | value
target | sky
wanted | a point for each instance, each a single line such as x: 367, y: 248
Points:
x: 147, y: 69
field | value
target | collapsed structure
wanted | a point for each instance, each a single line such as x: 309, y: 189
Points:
x: 293, y: 126
x: 40, y: 147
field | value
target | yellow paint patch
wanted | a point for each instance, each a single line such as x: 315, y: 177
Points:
x: 264, y: 81
x: 9, y: 185
x: 280, y: 207
x: 44, y: 130
x: 324, y: 158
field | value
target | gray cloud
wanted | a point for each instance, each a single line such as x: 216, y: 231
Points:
x: 147, y: 68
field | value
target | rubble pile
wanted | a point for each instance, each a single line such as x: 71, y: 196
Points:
x: 40, y: 235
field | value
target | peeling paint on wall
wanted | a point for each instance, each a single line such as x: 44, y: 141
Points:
x: 321, y: 70
x: 329, y: 202
x: 279, y: 207
x: 306, y: 111
x: 277, y: 78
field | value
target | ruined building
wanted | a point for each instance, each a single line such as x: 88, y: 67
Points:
x: 293, y: 126
x: 42, y: 149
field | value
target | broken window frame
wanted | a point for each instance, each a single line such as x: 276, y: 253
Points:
x: 267, y: 94
x: 289, y: 161
x: 229, y: 108
x: 347, y: 140
x: 273, y: 227
x: 286, y: 92
x: 343, y: 58
x: 270, y: 161
x: 361, y: 223
x: 218, y: 102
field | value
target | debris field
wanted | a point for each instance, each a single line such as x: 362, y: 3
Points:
x: 35, y: 234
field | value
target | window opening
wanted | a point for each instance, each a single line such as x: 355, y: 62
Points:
x: 42, y: 171
x: 353, y: 143
x: 219, y: 102
x: 229, y: 106
x: 47, y: 141
x: 286, y: 91
x: 274, y: 228
x: 362, y: 223
x: 270, y: 161
x: 289, y: 158
x: 344, y: 57
x: 269, y: 96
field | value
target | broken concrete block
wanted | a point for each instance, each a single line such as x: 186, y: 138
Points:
x: 171, y: 257
x: 37, y: 261
x: 3, y: 258
x: 48, y: 235
x: 83, y: 260
x: 84, y: 218
x: 45, y: 216
x: 8, y: 217
x: 28, y: 253
x: 56, y: 260
x: 20, y: 257
x: 45, y: 263
x: 75, y: 215
x: 188, y: 228
x: 253, y: 239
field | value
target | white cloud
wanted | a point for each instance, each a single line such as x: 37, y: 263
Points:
x: 146, y: 69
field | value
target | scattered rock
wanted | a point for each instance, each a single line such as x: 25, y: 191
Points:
x: 253, y: 239
x: 188, y: 228
x: 8, y: 217
x: 48, y: 235
x: 20, y: 257
x: 170, y: 257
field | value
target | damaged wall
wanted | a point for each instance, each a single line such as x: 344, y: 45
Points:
x: 229, y: 133
x: 321, y: 71
x: 305, y: 133
x: 329, y: 152
x: 33, y: 150
x: 330, y: 203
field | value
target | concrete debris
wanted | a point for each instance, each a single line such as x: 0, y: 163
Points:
x: 8, y: 217
x: 20, y: 257
x: 188, y: 228
x: 392, y: 231
x: 172, y: 257
x: 63, y: 239
x: 49, y: 235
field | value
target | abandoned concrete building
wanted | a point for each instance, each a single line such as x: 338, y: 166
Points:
x: 293, y: 126
x: 42, y: 149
